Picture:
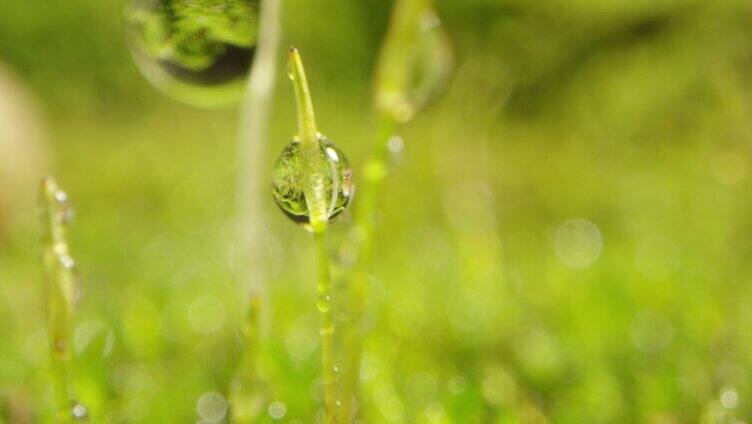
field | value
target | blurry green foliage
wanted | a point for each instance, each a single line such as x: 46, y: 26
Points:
x: 633, y: 115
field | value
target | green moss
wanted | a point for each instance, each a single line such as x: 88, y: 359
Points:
x: 193, y: 34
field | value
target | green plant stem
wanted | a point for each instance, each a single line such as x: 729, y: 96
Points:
x: 314, y: 188
x: 306, y: 116
x: 376, y: 171
x: 253, y: 132
x: 60, y: 292
x: 246, y: 394
x: 326, y: 331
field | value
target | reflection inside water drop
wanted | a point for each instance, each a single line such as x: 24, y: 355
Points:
x: 196, y: 52
x: 288, y: 185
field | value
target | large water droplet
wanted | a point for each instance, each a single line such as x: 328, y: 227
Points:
x: 198, y: 52
x: 288, y: 181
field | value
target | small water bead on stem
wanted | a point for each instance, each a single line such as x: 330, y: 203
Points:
x: 196, y: 51
x: 61, y: 288
x: 79, y: 412
x: 288, y: 183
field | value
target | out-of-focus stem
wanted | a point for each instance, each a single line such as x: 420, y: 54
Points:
x: 60, y: 290
x: 246, y: 392
x: 376, y: 171
x: 252, y: 135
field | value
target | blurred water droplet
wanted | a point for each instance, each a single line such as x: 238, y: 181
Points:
x: 277, y: 410
x: 730, y: 399
x: 457, y: 385
x: 395, y: 144
x: 396, y: 147
x: 324, y: 303
x: 578, y: 243
x: 288, y: 185
x: 211, y: 407
x: 369, y: 367
x: 67, y: 262
x: 421, y: 388
x: 652, y: 331
x: 499, y: 388
x: 206, y: 314
x: 64, y: 208
x: 79, y: 412
x: 301, y: 340
x: 435, y: 413
x: 196, y: 52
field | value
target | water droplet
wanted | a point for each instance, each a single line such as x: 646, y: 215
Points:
x: 395, y: 144
x: 277, y: 410
x: 64, y: 209
x: 324, y: 303
x: 578, y: 243
x: 730, y: 399
x: 426, y: 69
x: 196, y: 52
x: 61, y: 197
x: 79, y: 412
x: 206, y: 314
x: 457, y: 385
x: 652, y: 331
x: 288, y: 184
x: 66, y: 261
x: 211, y: 407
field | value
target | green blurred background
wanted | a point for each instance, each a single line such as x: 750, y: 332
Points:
x: 567, y: 236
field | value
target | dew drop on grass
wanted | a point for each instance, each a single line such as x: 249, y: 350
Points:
x: 79, y: 412
x: 196, y: 52
x: 277, y: 410
x: 324, y: 303
x: 64, y: 208
x: 211, y: 407
x: 288, y: 184
x: 578, y: 243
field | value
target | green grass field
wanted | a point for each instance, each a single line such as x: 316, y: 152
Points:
x: 566, y: 237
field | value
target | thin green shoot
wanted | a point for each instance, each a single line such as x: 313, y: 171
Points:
x: 61, y: 292
x: 316, y: 200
